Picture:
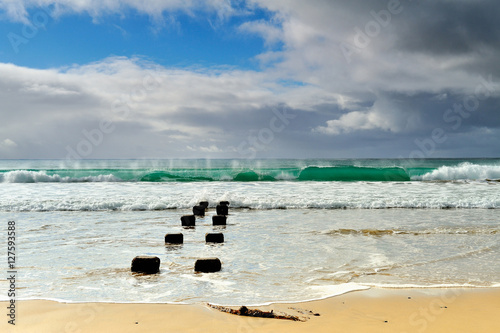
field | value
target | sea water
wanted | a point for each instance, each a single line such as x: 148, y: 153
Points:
x: 297, y: 229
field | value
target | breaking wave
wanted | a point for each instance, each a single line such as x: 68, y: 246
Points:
x: 342, y: 173
x: 464, y: 171
x: 27, y: 176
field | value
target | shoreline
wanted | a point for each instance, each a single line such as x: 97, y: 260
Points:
x: 372, y: 310
x: 358, y: 288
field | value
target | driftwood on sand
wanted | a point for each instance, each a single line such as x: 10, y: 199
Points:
x: 244, y: 311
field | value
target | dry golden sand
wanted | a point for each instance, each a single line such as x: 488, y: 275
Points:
x: 374, y: 310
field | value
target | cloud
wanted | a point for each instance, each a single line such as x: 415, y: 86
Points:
x: 271, y: 33
x: 46, y: 90
x: 162, y: 110
x: 7, y: 144
x: 452, y: 29
x: 383, y: 115
x: 209, y: 149
x: 414, y: 66
x: 18, y: 10
x: 354, y: 120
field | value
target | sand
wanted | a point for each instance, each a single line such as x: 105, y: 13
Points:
x: 374, y: 310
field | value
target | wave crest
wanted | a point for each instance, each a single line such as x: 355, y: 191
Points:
x: 464, y: 171
x: 27, y: 176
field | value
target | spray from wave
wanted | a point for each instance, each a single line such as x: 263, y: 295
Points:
x: 26, y: 176
x: 464, y: 171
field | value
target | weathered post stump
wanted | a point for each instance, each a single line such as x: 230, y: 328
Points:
x: 214, y: 238
x: 174, y: 238
x: 199, y: 210
x: 207, y: 265
x: 146, y: 264
x: 188, y: 221
x: 222, y: 210
x: 219, y: 220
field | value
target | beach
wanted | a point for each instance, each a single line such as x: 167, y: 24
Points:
x: 249, y: 166
x: 397, y: 248
x: 374, y: 310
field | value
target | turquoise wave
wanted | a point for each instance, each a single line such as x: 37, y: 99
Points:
x: 344, y: 173
x: 264, y: 171
x: 354, y: 173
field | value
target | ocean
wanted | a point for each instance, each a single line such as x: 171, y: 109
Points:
x: 297, y: 229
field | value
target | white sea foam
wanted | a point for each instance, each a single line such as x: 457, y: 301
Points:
x: 464, y: 171
x: 269, y: 256
x: 26, y: 176
x: 317, y: 293
x: 127, y: 196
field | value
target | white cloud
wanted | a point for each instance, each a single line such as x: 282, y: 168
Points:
x: 205, y: 149
x: 383, y: 116
x: 191, y: 107
x: 17, y: 10
x: 7, y: 144
x: 162, y: 108
x: 44, y: 89
x: 271, y: 33
x: 311, y: 33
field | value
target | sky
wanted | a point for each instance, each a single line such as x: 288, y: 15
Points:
x: 88, y: 79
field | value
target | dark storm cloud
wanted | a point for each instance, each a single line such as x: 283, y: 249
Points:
x: 450, y: 27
